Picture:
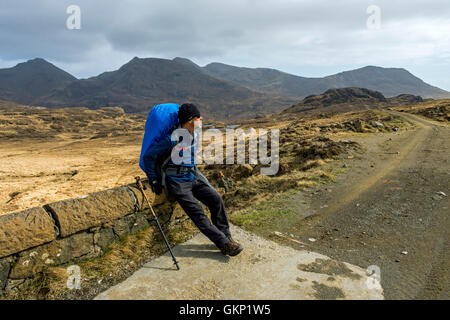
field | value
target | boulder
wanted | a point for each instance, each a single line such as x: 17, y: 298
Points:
x: 80, y: 214
x: 25, y: 229
x: 376, y: 124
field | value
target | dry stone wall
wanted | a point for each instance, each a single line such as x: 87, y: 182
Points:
x: 74, y: 229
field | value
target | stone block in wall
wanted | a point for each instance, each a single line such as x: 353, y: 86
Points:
x: 140, y: 224
x: 25, y: 229
x: 57, y: 252
x: 80, y: 214
x: 5, y: 266
x: 123, y: 226
x: 152, y: 197
x: 104, y: 237
x: 78, y: 245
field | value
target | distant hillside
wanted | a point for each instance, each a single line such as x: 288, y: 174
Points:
x: 349, y: 99
x: 142, y: 83
x: 223, y: 92
x: 31, y: 79
x: 389, y: 81
x: 264, y: 80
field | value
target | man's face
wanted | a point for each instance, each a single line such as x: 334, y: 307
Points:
x: 195, y: 123
x: 198, y: 122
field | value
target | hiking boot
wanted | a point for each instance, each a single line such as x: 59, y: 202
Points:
x: 232, y: 240
x: 231, y: 248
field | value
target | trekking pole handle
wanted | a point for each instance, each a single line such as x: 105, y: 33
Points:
x: 139, y: 183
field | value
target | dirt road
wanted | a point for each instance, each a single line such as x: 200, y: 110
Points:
x: 387, y: 210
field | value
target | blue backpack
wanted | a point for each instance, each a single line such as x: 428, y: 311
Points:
x: 162, y: 118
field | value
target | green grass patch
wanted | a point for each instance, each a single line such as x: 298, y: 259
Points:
x: 268, y: 215
x: 287, y: 207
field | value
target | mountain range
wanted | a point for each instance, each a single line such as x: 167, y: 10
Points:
x: 223, y: 92
x: 389, y: 81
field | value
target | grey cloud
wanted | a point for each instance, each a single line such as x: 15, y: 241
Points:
x: 288, y: 34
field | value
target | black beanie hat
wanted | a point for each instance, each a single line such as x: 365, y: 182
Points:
x: 187, y: 112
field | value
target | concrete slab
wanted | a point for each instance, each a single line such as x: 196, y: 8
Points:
x: 264, y: 270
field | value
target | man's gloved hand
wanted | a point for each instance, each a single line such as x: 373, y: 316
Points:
x: 156, y: 186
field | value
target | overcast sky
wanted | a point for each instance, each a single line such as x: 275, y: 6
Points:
x: 307, y: 38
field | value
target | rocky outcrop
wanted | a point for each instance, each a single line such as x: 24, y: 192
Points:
x: 439, y: 112
x: 340, y: 100
x: 344, y: 95
x: 405, y: 99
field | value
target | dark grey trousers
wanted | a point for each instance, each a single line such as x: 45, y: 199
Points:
x: 186, y: 194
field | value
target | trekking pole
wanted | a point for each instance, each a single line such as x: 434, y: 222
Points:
x: 141, y: 187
